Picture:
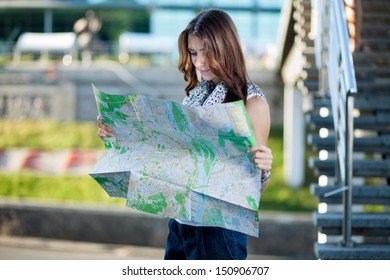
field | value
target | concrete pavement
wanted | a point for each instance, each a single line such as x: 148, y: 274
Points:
x: 32, y: 248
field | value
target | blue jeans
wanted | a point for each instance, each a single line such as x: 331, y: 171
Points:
x: 186, y: 242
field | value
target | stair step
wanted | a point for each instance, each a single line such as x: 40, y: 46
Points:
x: 380, y: 59
x: 368, y: 72
x: 378, y: 122
x: 376, y: 5
x: 360, y: 194
x: 360, y: 58
x: 363, y: 87
x: 364, y: 74
x: 375, y: 31
x: 375, y: 144
x: 362, y: 102
x: 375, y: 44
x: 377, y: 18
x: 372, y: 88
x: 366, y: 224
x: 369, y: 80
x: 332, y: 251
x: 361, y: 168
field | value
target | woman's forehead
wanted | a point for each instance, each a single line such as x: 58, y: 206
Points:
x: 195, y: 43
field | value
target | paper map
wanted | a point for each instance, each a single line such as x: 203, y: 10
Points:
x: 189, y: 163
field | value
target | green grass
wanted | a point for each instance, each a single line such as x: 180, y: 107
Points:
x: 56, y: 135
x: 48, y: 135
x: 279, y: 196
x: 25, y: 185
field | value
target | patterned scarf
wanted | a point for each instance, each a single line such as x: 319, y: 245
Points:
x: 206, y: 93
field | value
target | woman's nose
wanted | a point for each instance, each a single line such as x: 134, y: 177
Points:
x: 200, y: 60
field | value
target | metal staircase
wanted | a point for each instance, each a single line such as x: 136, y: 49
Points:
x: 349, y: 127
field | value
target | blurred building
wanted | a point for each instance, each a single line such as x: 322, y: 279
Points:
x: 257, y: 20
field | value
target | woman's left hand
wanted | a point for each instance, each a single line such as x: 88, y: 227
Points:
x: 262, y: 157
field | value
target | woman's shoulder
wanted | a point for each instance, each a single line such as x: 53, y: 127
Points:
x: 254, y: 90
x: 256, y: 104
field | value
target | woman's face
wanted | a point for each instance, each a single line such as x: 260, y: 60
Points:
x: 196, y: 49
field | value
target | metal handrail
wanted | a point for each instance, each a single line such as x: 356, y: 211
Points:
x: 337, y: 79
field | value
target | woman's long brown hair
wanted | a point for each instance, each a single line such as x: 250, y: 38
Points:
x: 222, y: 49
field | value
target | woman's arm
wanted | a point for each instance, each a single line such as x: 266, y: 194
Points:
x: 259, y: 116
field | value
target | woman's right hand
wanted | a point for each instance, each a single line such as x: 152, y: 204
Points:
x: 104, y: 131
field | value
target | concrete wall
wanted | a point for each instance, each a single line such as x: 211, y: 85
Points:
x: 71, y: 86
x: 282, y: 234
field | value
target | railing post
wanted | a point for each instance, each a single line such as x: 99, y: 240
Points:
x: 347, y: 194
x: 336, y: 66
x: 350, y: 85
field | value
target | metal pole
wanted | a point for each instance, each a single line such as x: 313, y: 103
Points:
x: 347, y: 194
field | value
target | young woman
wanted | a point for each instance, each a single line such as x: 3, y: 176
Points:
x: 213, y: 65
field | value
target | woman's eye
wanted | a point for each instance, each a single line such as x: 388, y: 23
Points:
x: 192, y: 54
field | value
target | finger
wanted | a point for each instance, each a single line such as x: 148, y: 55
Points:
x: 104, y: 127
x: 258, y: 155
x: 104, y: 130
x: 100, y: 133
x: 103, y: 134
x: 260, y: 148
x: 263, y: 165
